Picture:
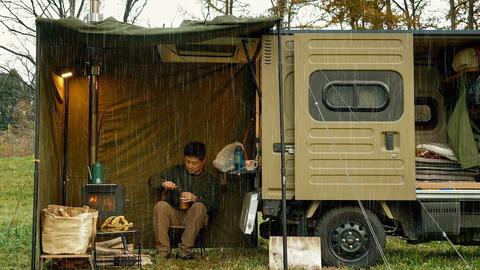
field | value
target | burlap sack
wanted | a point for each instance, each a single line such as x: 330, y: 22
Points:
x: 68, y: 230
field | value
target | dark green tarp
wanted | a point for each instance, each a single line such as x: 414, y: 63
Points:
x: 148, y: 110
x: 112, y: 33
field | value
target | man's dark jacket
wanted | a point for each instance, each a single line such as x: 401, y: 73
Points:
x: 204, y: 185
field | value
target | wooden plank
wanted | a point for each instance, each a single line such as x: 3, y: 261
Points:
x: 65, y: 256
x: 448, y: 185
x: 444, y: 178
x: 110, y: 243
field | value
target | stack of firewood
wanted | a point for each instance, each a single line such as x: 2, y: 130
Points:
x: 109, y: 251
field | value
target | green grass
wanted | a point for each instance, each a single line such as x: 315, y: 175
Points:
x: 16, y: 190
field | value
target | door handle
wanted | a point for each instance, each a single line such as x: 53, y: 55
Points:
x: 389, y: 137
x: 289, y: 148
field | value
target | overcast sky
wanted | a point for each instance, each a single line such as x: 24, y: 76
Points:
x: 171, y: 12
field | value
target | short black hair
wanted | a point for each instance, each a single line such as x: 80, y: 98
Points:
x: 195, y: 149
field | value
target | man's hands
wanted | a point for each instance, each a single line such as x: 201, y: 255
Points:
x: 168, y: 185
x: 188, y: 197
x: 185, y: 196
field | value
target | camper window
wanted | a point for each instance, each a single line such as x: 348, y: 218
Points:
x: 356, y: 95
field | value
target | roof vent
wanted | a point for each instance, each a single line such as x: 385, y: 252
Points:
x: 217, y: 50
x: 267, y: 51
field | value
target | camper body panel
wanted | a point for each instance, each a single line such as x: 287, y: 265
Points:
x: 271, y: 184
x: 340, y: 154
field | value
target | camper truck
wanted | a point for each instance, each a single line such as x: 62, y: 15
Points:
x: 356, y: 106
x: 371, y: 118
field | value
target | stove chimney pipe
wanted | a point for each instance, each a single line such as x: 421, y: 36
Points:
x: 93, y: 72
x: 94, y: 15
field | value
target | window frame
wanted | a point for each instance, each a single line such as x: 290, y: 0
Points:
x: 433, y: 105
x: 394, y: 110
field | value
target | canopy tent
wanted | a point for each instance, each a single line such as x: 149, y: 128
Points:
x: 147, y: 110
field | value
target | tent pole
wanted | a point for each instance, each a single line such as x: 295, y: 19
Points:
x: 251, y: 68
x: 282, y: 143
x: 33, y: 261
x: 65, y: 144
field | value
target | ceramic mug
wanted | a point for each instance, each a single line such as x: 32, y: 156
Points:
x: 251, y: 164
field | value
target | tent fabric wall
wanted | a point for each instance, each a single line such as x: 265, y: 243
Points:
x: 148, y: 110
x: 147, y: 114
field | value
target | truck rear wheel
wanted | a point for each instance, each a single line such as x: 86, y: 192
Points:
x: 346, y: 238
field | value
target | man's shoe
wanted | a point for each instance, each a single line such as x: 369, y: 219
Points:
x: 184, y: 255
x: 164, y: 254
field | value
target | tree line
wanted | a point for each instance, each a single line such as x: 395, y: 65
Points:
x: 365, y: 14
x: 18, y: 18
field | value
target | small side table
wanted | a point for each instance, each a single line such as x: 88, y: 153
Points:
x: 135, y: 234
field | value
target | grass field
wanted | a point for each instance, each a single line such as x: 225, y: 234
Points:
x: 16, y: 190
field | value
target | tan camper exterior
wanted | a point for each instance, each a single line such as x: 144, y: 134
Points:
x: 331, y: 149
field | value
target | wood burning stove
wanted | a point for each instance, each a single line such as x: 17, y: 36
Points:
x: 106, y: 198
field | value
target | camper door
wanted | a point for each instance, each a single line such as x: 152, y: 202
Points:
x: 354, y: 118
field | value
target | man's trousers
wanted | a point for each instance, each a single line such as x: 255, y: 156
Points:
x: 165, y: 216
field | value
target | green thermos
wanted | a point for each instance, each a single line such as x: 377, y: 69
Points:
x: 96, y: 174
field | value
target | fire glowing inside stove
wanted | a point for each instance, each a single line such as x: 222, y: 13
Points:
x: 101, y: 202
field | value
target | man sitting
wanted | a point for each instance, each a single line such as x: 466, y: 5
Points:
x: 191, y: 195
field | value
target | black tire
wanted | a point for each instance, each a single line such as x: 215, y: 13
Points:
x: 347, y: 240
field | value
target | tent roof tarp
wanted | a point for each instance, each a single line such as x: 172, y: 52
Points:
x: 113, y: 33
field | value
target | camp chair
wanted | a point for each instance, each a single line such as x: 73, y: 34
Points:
x: 175, y: 235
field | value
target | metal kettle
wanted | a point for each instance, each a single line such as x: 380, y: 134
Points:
x: 96, y: 174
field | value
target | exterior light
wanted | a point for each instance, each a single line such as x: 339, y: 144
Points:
x: 66, y: 74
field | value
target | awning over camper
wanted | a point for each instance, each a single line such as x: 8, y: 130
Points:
x: 112, y: 33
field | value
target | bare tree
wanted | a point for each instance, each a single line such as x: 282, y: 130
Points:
x: 470, y: 20
x: 452, y: 14
x: 17, y: 17
x: 464, y: 14
x: 412, y: 12
x: 224, y: 7
x: 289, y: 10
x: 133, y: 9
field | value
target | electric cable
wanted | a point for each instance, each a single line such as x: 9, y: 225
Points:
x: 444, y: 234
